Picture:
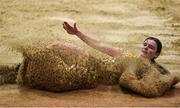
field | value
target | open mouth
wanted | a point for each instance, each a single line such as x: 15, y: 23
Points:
x: 144, y: 52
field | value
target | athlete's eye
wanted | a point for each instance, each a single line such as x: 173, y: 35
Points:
x: 145, y: 44
x: 151, y: 47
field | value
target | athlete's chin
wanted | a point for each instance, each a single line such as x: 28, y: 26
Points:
x: 143, y: 56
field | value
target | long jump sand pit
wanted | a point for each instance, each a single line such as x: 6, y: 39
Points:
x: 124, y: 24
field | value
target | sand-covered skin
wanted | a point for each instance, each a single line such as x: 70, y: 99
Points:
x: 45, y: 69
x: 122, y: 23
x: 8, y: 74
x: 143, y: 78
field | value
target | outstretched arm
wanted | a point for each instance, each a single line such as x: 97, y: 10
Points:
x: 105, y: 48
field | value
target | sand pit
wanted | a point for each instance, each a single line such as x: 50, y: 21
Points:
x: 124, y: 24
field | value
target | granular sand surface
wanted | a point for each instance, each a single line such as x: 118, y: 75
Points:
x: 104, y: 96
x: 121, y: 23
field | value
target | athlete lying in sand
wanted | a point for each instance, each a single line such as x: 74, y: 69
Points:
x: 151, y: 49
x: 63, y: 67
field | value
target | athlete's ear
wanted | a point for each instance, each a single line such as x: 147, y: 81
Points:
x: 157, y: 54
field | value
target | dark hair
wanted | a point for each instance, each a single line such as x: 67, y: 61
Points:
x: 158, y: 42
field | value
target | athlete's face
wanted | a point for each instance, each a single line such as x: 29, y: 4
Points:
x: 149, y: 49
